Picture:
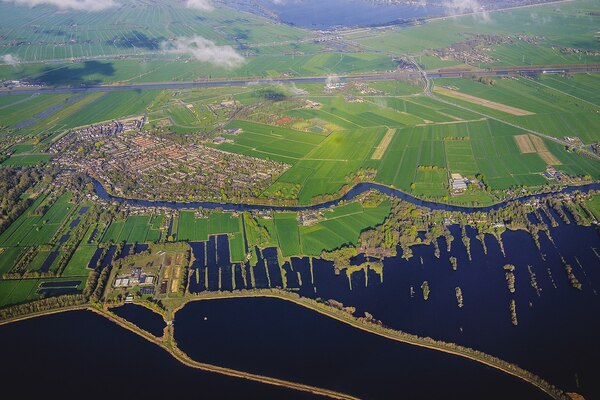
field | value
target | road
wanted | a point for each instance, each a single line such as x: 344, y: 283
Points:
x: 372, y: 76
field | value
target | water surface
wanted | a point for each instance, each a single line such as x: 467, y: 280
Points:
x: 318, y: 14
x: 282, y: 339
x: 80, y: 354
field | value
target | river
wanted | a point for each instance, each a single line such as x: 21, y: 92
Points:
x: 352, y: 194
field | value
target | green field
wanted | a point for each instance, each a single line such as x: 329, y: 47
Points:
x: 430, y: 183
x: 342, y: 227
x: 288, y: 234
x: 594, y: 206
x: 326, y: 169
x: 27, y: 159
x: 237, y: 248
x: 566, y: 25
x: 191, y: 228
x: 223, y: 223
x: 561, y: 108
x: 135, y: 229
x: 78, y: 264
x: 9, y: 257
x: 31, y: 229
x: 269, y: 142
x: 19, y: 291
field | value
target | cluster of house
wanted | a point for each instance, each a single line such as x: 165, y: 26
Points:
x: 575, y: 50
x: 310, y: 217
x: 221, y: 140
x: 477, y: 48
x: 138, y: 164
x: 364, y: 89
x: 554, y: 174
x: 312, y: 105
x: 333, y: 84
x: 96, y: 133
x: 404, y: 64
x: 574, y: 141
x: 18, y: 84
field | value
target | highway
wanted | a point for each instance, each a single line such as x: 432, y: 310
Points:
x: 373, y: 76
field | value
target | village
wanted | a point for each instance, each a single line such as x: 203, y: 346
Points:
x: 134, y: 163
x: 477, y: 48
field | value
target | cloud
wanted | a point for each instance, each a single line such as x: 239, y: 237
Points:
x: 204, y: 50
x: 466, y: 7
x: 9, y: 59
x: 202, y: 5
x: 79, y: 5
x: 542, y: 20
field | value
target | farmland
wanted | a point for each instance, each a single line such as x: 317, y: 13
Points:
x: 594, y: 206
x: 342, y: 228
x: 565, y: 26
x: 79, y: 262
x: 192, y: 228
x: 31, y: 229
x: 19, y: 291
x: 288, y: 234
x: 556, y: 112
x: 279, y: 144
x: 354, y: 136
x: 135, y: 229
x: 9, y: 257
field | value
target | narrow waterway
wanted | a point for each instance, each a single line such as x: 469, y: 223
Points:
x: 356, y: 191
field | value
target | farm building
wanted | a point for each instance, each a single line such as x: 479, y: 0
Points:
x: 458, y: 183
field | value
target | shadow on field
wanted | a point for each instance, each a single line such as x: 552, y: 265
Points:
x: 88, y: 73
x: 136, y: 39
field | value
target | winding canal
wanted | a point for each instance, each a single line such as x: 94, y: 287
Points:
x: 352, y: 194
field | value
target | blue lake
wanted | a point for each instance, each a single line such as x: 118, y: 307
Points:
x: 80, y: 354
x: 141, y: 316
x: 318, y: 14
x: 284, y: 340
